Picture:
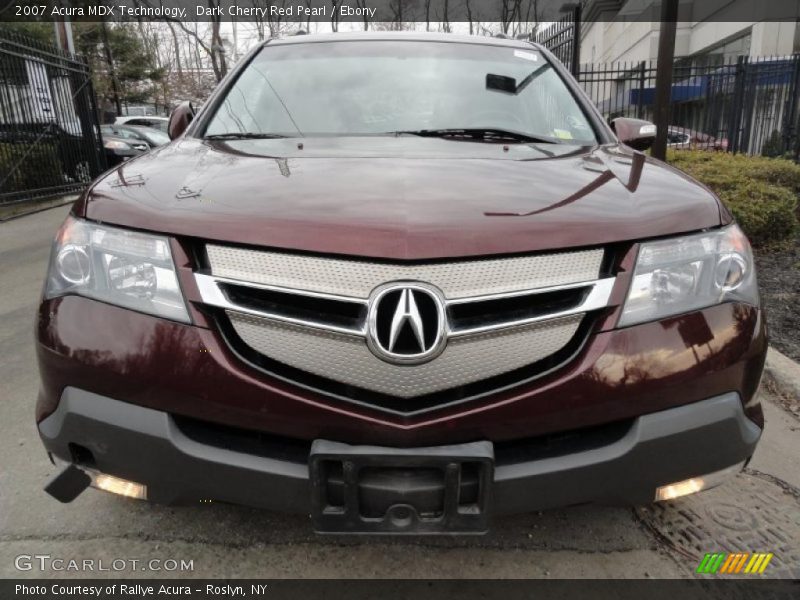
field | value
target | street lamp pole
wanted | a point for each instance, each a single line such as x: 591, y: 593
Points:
x: 64, y: 34
x: 666, y: 56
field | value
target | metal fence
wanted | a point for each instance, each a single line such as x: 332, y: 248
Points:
x: 49, y: 136
x: 743, y: 104
x: 563, y: 39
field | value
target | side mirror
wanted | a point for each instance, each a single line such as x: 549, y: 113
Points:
x: 179, y: 119
x: 635, y: 133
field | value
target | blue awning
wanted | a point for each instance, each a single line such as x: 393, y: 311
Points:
x: 767, y: 73
x: 683, y: 91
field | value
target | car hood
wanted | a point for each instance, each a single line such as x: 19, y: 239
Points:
x: 400, y: 198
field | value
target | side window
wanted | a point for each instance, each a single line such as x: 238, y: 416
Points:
x: 127, y: 134
x: 676, y: 137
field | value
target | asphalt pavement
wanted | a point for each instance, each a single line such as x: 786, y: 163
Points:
x: 230, y: 541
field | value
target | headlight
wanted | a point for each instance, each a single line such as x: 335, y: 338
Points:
x: 682, y: 274
x: 115, y: 145
x: 126, y: 268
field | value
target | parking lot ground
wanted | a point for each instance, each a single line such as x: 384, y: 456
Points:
x: 757, y: 511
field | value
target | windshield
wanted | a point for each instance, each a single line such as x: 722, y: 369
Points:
x: 380, y: 87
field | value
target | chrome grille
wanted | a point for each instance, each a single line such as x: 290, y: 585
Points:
x: 310, y: 314
x: 346, y: 358
x: 357, y: 278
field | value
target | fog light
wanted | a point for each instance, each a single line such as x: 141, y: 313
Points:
x: 696, y: 484
x: 121, y: 487
x: 680, y: 488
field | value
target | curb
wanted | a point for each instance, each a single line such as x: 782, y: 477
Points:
x: 23, y: 209
x: 783, y: 373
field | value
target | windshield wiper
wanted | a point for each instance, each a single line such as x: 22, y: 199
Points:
x: 243, y: 136
x: 478, y: 133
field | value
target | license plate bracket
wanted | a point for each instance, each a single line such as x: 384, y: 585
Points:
x: 381, y: 490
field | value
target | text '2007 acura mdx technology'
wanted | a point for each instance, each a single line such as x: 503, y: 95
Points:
x: 401, y: 283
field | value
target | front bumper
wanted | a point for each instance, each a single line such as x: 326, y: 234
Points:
x: 190, y: 371
x: 147, y: 446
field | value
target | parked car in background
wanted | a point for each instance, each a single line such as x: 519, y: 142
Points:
x: 681, y: 138
x: 152, y: 137
x: 119, y: 149
x: 154, y: 122
x: 72, y: 150
x: 139, y: 111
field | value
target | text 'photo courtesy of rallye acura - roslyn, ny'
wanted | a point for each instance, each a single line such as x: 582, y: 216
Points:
x: 400, y: 283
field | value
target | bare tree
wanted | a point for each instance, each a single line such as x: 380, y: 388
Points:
x: 362, y: 4
x: 509, y: 9
x: 526, y: 17
x: 397, y: 12
x: 308, y: 18
x: 269, y: 24
x: 215, y: 49
x: 427, y: 15
x: 335, y: 15
x: 177, y: 48
x: 404, y: 13
x: 258, y: 21
x: 445, y: 17
x: 274, y: 22
x: 110, y: 64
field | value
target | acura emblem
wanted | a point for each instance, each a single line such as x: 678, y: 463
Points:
x: 406, y: 323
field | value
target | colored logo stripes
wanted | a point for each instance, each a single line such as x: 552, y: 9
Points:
x: 737, y: 562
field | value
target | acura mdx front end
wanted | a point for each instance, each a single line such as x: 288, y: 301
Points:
x: 399, y: 283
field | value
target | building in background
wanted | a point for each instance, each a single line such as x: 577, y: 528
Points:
x: 710, y: 32
x: 736, y: 82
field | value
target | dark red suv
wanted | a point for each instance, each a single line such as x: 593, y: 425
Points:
x: 399, y: 283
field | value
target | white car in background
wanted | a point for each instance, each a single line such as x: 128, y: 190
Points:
x: 148, y: 121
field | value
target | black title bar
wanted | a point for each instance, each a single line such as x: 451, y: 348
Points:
x: 391, y: 11
x: 250, y: 589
